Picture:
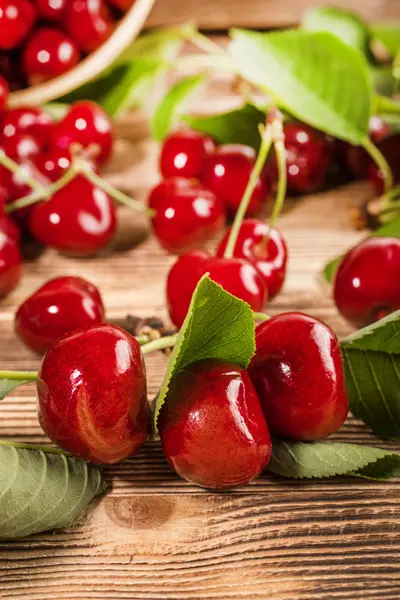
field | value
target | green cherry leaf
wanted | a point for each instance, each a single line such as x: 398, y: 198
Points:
x: 218, y: 325
x: 173, y: 105
x: 300, y: 460
x: 391, y: 229
x: 388, y: 34
x: 42, y: 490
x: 8, y: 385
x: 312, y: 75
x: 372, y: 370
x: 163, y: 43
x: 238, y: 126
x: 346, y: 25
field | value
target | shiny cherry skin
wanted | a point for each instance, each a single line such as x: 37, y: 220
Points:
x: 10, y: 262
x: 78, y: 220
x: 16, y: 20
x: 48, y: 53
x: 236, y: 275
x: 92, y: 394
x: 227, y: 171
x: 4, y: 91
x: 86, y: 124
x: 183, y: 153
x: 186, y: 220
x: 30, y: 120
x: 212, y: 428
x: 10, y: 229
x: 367, y: 282
x: 168, y: 187
x: 122, y: 4
x: 88, y: 22
x: 357, y: 159
x: 308, y: 158
x: 298, y: 373
x: 58, y: 307
x: 51, y: 10
x: 390, y: 148
x: 20, y: 147
x: 269, y: 259
x: 53, y: 163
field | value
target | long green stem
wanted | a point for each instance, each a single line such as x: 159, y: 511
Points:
x: 205, y: 43
x: 266, y: 142
x: 280, y: 152
x: 22, y: 446
x: 261, y: 316
x: 380, y: 162
x: 20, y: 171
x: 160, y: 344
x: 111, y: 190
x: 19, y: 375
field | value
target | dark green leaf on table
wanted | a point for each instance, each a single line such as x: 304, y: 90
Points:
x: 346, y: 25
x: 388, y: 34
x: 173, y: 105
x: 8, y: 385
x: 313, y: 75
x: 41, y: 490
x: 372, y: 370
x: 238, y: 126
x: 301, y: 460
x: 391, y: 229
x: 218, y: 325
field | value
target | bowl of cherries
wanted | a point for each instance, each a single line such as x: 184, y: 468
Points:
x: 51, y: 47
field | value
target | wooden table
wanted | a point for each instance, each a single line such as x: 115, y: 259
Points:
x: 156, y: 537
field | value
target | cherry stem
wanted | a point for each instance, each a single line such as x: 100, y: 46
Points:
x: 19, y: 170
x: 22, y: 446
x: 84, y: 168
x: 261, y: 316
x: 380, y: 162
x: 266, y: 142
x: 279, y: 146
x: 19, y: 375
x: 205, y: 43
x: 206, y: 61
x: 46, y: 193
x: 161, y: 343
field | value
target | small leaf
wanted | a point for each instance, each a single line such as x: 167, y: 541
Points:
x: 391, y: 229
x: 236, y: 126
x: 218, y: 325
x: 299, y: 460
x: 313, y: 75
x: 388, y: 34
x: 372, y: 370
x: 346, y: 25
x: 173, y: 104
x: 41, y: 490
x: 8, y: 385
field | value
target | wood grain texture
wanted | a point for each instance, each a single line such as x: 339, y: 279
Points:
x: 156, y: 537
x: 260, y: 14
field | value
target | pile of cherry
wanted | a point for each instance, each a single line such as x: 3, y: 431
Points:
x: 41, y: 39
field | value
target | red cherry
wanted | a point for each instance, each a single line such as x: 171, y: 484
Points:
x: 79, y: 219
x: 60, y: 306
x: 187, y: 219
x: 48, y: 53
x: 269, y: 259
x: 170, y: 186
x: 51, y: 10
x: 184, y: 152
x: 212, y: 428
x: 92, y: 394
x: 367, y: 282
x: 227, y: 171
x: 298, y: 373
x: 86, y: 124
x: 10, y: 229
x: 4, y: 90
x: 53, y: 164
x: 308, y: 158
x: 10, y: 262
x: 31, y: 120
x: 16, y: 20
x: 357, y: 159
x: 15, y: 184
x: 122, y: 4
x: 20, y: 147
x: 390, y: 148
x: 236, y: 275
x: 88, y: 22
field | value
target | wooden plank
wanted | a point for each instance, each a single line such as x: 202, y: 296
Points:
x: 156, y: 537
x: 260, y: 14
